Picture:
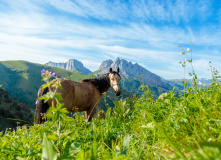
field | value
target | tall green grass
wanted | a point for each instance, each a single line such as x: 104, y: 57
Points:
x: 170, y: 127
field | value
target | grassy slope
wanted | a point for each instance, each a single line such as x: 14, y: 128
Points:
x: 185, y: 127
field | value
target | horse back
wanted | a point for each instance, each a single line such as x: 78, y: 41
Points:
x: 78, y: 95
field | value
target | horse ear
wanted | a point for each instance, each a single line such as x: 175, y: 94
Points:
x: 110, y: 70
x: 118, y: 69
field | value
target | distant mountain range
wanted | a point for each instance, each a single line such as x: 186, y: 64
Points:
x: 70, y: 65
x: 127, y: 69
x: 178, y: 83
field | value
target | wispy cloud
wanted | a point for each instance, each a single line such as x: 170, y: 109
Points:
x: 144, y: 32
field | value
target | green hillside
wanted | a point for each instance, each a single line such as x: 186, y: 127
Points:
x: 132, y: 85
x: 22, y: 80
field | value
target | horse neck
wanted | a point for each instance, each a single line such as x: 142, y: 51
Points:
x: 102, y: 83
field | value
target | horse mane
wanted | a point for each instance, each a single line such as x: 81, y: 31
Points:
x: 101, y: 83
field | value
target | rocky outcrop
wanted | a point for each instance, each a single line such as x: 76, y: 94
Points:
x: 71, y: 65
x: 105, y: 64
x: 130, y: 70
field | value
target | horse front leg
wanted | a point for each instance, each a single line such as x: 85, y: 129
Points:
x: 90, y: 112
x: 87, y: 113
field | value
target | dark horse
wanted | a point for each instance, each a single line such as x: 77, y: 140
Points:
x: 81, y: 96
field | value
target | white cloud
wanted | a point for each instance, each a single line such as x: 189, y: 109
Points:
x: 91, y: 64
x: 68, y: 6
x: 40, y: 31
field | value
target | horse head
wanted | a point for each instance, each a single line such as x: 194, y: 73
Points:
x: 115, y: 78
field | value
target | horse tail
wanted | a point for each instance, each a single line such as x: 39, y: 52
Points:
x: 41, y: 107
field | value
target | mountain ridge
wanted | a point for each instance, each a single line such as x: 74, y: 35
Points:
x: 130, y: 70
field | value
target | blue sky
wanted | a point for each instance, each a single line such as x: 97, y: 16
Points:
x: 91, y: 31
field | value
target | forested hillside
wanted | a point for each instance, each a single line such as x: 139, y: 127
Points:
x: 13, y: 113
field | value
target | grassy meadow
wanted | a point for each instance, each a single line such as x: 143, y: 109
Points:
x: 186, y: 126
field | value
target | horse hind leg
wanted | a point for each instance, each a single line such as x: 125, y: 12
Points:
x: 87, y: 113
x: 41, y: 110
x: 41, y: 107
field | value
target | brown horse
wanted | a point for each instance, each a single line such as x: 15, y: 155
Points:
x: 81, y: 96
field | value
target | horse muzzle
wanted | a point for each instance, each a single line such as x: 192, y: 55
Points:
x: 118, y: 93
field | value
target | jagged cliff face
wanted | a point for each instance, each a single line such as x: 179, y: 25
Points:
x: 105, y: 64
x: 130, y: 70
x: 72, y: 64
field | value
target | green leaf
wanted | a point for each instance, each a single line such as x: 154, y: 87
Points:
x: 75, y: 145
x: 50, y: 94
x: 58, y: 97
x: 126, y: 142
x: 48, y: 151
x: 94, y: 150
x: 211, y: 144
x: 4, y: 143
x: 46, y: 97
x: 184, y: 83
x: 53, y: 137
x: 44, y: 86
x: 64, y: 110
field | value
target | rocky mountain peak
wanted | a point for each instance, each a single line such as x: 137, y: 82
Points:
x: 71, y: 64
x: 130, y: 70
x: 105, y: 64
